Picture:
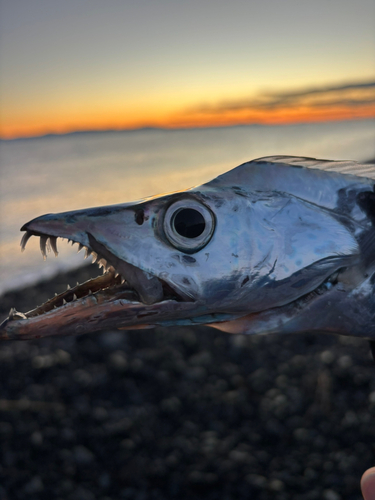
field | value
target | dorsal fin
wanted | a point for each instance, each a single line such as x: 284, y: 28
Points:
x: 342, y: 166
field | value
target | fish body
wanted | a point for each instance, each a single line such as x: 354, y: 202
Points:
x: 276, y: 245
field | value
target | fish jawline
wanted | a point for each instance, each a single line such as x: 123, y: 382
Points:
x: 107, y: 301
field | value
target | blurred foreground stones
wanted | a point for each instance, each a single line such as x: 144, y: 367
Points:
x: 183, y: 413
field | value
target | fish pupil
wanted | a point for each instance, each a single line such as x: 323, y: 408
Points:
x: 189, y: 223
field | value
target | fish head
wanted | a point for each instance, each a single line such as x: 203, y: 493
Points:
x: 252, y: 251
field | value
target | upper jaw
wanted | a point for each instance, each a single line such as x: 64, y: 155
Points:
x: 81, y: 227
x: 146, y: 288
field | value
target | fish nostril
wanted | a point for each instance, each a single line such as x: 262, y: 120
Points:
x: 139, y: 217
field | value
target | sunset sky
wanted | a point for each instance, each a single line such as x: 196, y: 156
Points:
x: 94, y: 64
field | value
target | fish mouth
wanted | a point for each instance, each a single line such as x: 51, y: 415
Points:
x: 124, y: 296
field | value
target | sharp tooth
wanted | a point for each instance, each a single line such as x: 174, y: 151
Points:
x: 55, y: 307
x: 77, y: 283
x: 43, y: 241
x: 64, y: 302
x: 68, y: 287
x: 15, y: 315
x: 75, y: 296
x: 102, y: 263
x: 24, y: 240
x: 117, y: 274
x: 53, y: 240
x: 87, y: 252
x: 95, y: 257
x: 90, y: 292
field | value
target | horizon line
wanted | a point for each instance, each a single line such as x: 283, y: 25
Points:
x: 171, y: 129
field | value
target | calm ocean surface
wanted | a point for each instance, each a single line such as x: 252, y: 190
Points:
x: 54, y: 174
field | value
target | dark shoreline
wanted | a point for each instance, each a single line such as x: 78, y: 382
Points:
x: 182, y: 413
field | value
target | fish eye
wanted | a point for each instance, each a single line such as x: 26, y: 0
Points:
x: 188, y: 222
x: 188, y: 225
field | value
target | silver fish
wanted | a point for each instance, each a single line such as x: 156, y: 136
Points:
x: 276, y: 245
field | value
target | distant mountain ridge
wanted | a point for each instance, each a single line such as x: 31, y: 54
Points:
x: 168, y: 129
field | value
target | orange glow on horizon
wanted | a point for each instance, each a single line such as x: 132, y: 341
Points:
x: 192, y: 119
x: 281, y: 116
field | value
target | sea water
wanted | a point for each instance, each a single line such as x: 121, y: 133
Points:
x: 61, y: 173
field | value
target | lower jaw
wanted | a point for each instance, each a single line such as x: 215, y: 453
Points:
x: 108, y: 309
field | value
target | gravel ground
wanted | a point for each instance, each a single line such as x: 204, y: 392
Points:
x: 183, y: 413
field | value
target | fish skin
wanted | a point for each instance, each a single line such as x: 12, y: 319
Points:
x: 284, y: 249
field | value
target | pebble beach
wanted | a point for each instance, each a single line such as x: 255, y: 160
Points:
x: 182, y: 413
